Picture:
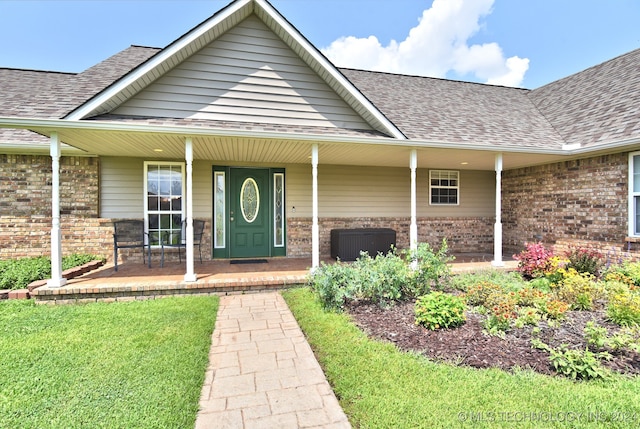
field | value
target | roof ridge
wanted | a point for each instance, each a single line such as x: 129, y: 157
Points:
x: 38, y: 71
x: 433, y: 78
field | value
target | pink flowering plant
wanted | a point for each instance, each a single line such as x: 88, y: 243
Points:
x: 535, y: 261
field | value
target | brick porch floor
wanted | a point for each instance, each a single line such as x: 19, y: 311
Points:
x: 134, y: 280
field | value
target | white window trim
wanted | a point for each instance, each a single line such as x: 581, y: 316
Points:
x: 145, y: 192
x: 451, y: 187
x: 631, y: 206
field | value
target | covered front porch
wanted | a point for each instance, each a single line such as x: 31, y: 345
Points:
x: 135, y: 281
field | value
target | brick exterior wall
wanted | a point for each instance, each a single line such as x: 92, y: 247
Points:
x: 579, y: 202
x: 463, y: 234
x: 25, y: 210
x: 25, y: 185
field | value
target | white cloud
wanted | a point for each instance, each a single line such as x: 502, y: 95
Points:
x: 436, y: 46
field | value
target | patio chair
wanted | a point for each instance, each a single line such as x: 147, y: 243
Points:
x: 130, y: 234
x: 178, y: 239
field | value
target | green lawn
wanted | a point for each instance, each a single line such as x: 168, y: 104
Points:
x: 380, y: 387
x: 134, y: 364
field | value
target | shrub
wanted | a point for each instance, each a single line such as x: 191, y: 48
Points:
x: 579, y: 364
x: 529, y: 296
x: 380, y: 279
x: 332, y: 283
x: 18, y: 273
x: 77, y: 259
x: 501, y: 309
x: 576, y: 364
x: 478, y: 293
x: 431, y: 269
x: 630, y: 270
x: 624, y: 309
x: 553, y: 309
x: 527, y: 316
x: 580, y: 290
x: 534, y: 261
x: 439, y: 310
x: 541, y: 283
x: 585, y: 260
x: 598, y: 337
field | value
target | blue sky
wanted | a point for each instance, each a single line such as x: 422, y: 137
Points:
x: 525, y: 43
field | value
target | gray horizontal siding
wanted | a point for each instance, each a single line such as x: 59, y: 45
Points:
x: 247, y: 75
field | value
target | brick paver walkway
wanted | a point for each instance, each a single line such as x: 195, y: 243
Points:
x: 262, y: 372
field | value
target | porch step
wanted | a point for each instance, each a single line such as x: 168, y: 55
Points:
x: 111, y: 292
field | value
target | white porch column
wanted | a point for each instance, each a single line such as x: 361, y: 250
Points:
x: 315, y: 229
x: 413, y: 228
x: 56, y: 239
x: 497, y: 231
x: 190, y: 275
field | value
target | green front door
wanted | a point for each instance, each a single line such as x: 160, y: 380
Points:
x: 249, y: 213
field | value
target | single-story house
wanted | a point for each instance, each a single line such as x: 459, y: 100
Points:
x: 244, y: 124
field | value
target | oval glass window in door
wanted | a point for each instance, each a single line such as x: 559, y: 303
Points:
x: 249, y: 200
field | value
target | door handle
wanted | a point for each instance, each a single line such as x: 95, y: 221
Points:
x: 231, y: 219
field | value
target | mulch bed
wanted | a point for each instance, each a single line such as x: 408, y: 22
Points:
x: 469, y: 345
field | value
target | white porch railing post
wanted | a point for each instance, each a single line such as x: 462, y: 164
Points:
x: 497, y: 231
x: 315, y: 229
x: 190, y: 275
x: 413, y: 227
x: 56, y: 237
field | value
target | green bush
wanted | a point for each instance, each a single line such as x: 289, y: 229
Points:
x: 439, y: 310
x: 624, y: 309
x: 585, y: 260
x: 579, y: 289
x: 431, y: 269
x: 333, y: 283
x: 380, y: 279
x: 480, y: 292
x: 628, y: 270
x: 18, y: 273
x: 576, y: 364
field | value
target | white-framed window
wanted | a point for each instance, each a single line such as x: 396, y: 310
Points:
x: 634, y: 194
x: 164, y: 190
x: 444, y: 187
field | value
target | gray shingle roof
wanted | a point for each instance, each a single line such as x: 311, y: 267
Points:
x: 598, y: 105
x: 48, y: 95
x: 456, y: 112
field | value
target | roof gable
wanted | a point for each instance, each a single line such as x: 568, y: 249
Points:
x: 248, y: 74
x: 201, y: 37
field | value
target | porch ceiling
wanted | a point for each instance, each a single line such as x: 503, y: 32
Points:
x: 277, y: 148
x: 283, y: 150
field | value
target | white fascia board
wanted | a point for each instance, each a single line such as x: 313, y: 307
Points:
x: 46, y: 126
x: 329, y: 67
x: 157, y: 60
